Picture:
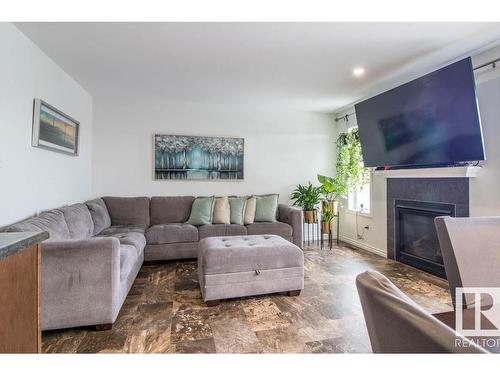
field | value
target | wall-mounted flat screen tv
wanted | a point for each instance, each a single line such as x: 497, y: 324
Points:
x: 430, y: 121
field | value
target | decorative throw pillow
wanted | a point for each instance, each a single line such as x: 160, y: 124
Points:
x: 222, y: 211
x: 100, y: 215
x: 266, y: 207
x: 238, y: 205
x: 202, y: 211
x: 250, y: 211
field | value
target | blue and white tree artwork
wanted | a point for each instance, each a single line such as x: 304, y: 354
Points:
x: 181, y: 157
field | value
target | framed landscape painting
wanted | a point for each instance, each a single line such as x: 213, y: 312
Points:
x: 54, y: 130
x: 183, y: 157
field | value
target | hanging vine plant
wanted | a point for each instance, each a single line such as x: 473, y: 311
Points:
x: 350, y: 168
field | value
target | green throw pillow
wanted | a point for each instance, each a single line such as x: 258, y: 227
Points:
x: 237, y: 205
x: 202, y: 211
x: 266, y: 207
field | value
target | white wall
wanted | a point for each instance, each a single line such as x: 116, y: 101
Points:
x: 374, y: 239
x: 282, y: 147
x: 32, y: 179
x: 485, y: 197
x: 484, y: 190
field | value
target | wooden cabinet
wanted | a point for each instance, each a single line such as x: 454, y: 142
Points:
x: 20, y: 330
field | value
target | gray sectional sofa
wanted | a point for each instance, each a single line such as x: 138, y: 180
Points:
x: 96, y: 248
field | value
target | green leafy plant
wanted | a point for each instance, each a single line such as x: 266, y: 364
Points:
x: 327, y: 213
x: 306, y: 196
x: 332, y: 188
x: 350, y: 168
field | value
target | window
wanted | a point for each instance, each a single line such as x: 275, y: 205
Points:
x: 360, y: 199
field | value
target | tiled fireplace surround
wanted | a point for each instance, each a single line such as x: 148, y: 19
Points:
x: 448, y: 190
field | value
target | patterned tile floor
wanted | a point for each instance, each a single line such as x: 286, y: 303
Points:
x: 164, y: 313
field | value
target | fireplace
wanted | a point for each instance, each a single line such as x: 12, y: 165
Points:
x: 416, y: 238
x: 412, y: 205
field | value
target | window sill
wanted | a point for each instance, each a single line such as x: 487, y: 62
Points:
x: 362, y: 214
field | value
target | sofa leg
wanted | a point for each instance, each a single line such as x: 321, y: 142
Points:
x: 213, y: 303
x: 294, y: 293
x: 103, y: 327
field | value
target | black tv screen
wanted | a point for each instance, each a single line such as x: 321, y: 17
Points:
x: 430, y: 121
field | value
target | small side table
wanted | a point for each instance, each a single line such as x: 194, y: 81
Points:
x: 312, y: 232
x: 330, y: 234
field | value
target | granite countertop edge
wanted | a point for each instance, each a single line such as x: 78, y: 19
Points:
x: 12, y: 243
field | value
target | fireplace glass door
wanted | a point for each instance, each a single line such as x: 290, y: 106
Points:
x: 416, y: 238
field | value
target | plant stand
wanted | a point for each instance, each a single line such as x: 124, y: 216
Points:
x: 311, y: 233
x: 330, y: 234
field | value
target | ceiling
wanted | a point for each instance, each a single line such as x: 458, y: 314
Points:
x: 305, y: 66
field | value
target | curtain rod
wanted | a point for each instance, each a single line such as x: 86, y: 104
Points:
x: 493, y: 64
x: 345, y: 117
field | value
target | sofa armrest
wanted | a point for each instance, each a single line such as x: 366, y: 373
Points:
x: 80, y: 282
x: 294, y: 217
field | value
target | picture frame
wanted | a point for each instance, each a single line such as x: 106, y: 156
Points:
x: 198, y: 158
x: 54, y: 130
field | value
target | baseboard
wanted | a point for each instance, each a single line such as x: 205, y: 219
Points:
x: 364, y: 246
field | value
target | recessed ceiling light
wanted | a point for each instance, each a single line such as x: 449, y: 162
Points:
x: 358, y: 71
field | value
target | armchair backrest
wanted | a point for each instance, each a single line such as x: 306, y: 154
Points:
x: 396, y: 324
x: 471, y: 253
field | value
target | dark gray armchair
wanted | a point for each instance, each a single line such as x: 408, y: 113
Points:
x: 396, y: 324
x: 471, y: 253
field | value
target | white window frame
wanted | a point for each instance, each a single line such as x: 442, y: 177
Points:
x: 358, y: 212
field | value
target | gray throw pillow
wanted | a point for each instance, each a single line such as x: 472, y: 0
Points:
x: 266, y: 207
x: 100, y: 215
x: 237, y: 205
x: 202, y: 211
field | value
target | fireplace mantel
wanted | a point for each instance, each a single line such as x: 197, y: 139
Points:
x: 453, y: 172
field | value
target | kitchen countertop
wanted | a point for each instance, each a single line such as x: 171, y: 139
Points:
x: 13, y: 242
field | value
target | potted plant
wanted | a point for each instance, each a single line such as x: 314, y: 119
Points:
x: 307, y: 197
x: 332, y: 189
x: 350, y: 168
x: 327, y: 216
x: 351, y: 173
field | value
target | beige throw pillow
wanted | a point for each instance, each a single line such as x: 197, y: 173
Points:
x: 222, y: 211
x: 250, y: 210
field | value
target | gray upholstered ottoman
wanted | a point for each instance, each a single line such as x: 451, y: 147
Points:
x: 249, y: 265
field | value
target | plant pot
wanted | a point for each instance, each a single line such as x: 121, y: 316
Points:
x: 334, y: 206
x: 326, y: 227
x: 310, y: 217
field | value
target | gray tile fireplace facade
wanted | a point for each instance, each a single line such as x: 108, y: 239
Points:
x: 422, y: 191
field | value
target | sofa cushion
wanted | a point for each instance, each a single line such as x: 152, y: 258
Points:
x: 249, y: 216
x: 128, y: 259
x: 99, y: 214
x: 222, y: 211
x: 127, y: 236
x: 51, y: 221
x: 135, y: 239
x: 281, y: 229
x: 217, y: 230
x: 118, y: 229
x: 128, y: 211
x: 238, y: 205
x: 202, y: 211
x: 266, y: 208
x: 170, y: 209
x: 79, y: 221
x: 171, y: 233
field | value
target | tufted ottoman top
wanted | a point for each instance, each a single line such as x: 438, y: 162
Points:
x: 247, y: 253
